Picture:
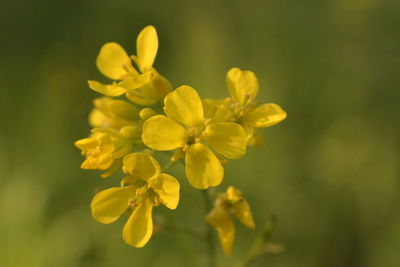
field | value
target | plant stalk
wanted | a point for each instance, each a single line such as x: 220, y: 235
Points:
x: 209, y: 240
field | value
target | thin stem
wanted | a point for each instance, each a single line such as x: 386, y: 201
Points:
x: 209, y: 233
x: 168, y: 165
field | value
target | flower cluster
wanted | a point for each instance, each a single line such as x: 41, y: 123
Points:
x: 203, y: 134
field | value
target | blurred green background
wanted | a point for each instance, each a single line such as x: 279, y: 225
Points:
x: 330, y: 171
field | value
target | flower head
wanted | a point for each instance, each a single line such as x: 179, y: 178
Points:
x: 145, y: 187
x: 220, y: 217
x: 106, y: 147
x: 184, y: 127
x: 143, y: 86
x: 241, y: 107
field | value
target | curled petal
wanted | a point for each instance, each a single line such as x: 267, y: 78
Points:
x: 86, y: 144
x: 113, y: 61
x: 242, y: 211
x: 139, y: 228
x: 264, y: 116
x: 167, y: 188
x: 242, y: 85
x: 227, y: 138
x: 220, y: 219
x: 184, y: 105
x: 108, y: 205
x: 141, y: 165
x: 106, y: 89
x: 162, y: 133
x: 146, y: 46
x: 203, y: 168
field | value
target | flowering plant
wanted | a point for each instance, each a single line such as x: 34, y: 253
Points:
x: 203, y: 134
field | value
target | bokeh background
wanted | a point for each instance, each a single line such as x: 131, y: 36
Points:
x: 330, y: 171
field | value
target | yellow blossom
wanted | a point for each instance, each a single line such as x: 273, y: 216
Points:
x: 110, y: 113
x: 144, y: 188
x: 241, y: 107
x: 143, y: 86
x: 105, y: 148
x: 220, y: 217
x: 184, y: 127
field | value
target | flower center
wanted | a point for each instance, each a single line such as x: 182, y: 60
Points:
x: 196, y: 133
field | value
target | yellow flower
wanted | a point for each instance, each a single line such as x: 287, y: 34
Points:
x: 144, y: 188
x: 241, y: 106
x: 110, y: 113
x: 184, y: 127
x: 220, y: 217
x: 105, y: 148
x: 143, y: 86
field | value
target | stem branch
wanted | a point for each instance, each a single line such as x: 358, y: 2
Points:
x: 209, y: 233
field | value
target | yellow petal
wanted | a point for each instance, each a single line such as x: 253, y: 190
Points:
x: 100, y: 115
x: 98, y: 119
x: 184, y: 105
x: 167, y: 188
x: 107, y: 89
x: 216, y: 110
x: 147, y: 113
x: 113, y: 61
x: 145, y: 95
x: 256, y: 140
x: 242, y: 211
x: 104, y: 133
x: 203, y: 168
x: 123, y: 147
x: 264, y: 116
x: 220, y: 219
x: 108, y: 205
x: 162, y: 133
x: 233, y: 195
x: 123, y: 110
x: 139, y: 228
x: 106, y: 144
x: 136, y: 81
x: 132, y: 132
x: 86, y: 144
x: 146, y: 47
x: 227, y: 138
x: 141, y: 165
x: 115, y: 166
x: 242, y: 85
x: 161, y: 86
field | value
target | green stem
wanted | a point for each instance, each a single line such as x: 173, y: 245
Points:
x: 209, y: 233
x: 168, y: 165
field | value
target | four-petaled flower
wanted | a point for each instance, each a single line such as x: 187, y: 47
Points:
x: 143, y: 86
x: 241, y: 106
x: 106, y: 147
x: 144, y: 188
x: 184, y: 127
x: 220, y: 217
